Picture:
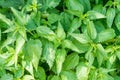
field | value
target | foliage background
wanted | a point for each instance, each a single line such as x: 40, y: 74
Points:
x: 59, y: 39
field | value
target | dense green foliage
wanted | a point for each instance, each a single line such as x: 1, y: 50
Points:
x: 59, y: 39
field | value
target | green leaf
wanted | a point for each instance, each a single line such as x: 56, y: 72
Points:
x: 12, y: 3
x: 95, y: 15
x: 49, y: 53
x: 86, y: 4
x: 56, y: 78
x: 28, y: 66
x: 80, y: 37
x: 74, y: 5
x: 118, y: 53
x: 108, y: 33
x: 110, y: 16
x: 100, y: 8
x: 74, y: 25
x: 90, y: 56
x: 6, y: 20
x: 60, y: 57
x: 82, y: 71
x: 68, y: 44
x: 91, y: 30
x: 46, y: 32
x: 19, y: 43
x: 68, y: 75
x: 52, y: 18
x: 28, y: 77
x: 19, y: 16
x: 34, y: 51
x: 7, y: 77
x: 40, y: 74
x: 71, y: 61
x: 117, y: 21
x: 0, y: 34
x: 100, y: 54
x: 52, y: 3
x: 75, y: 12
x: 60, y: 32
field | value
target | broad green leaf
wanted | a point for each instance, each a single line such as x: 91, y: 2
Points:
x: 52, y: 3
x: 66, y: 20
x: 117, y: 21
x: 34, y: 51
x: 40, y: 74
x: 100, y: 8
x: 99, y: 26
x: 30, y: 25
x: 19, y: 43
x: 55, y: 78
x: 82, y: 71
x: 11, y: 3
x: 110, y: 16
x: 108, y: 33
x: 74, y: 25
x: 100, y: 54
x: 7, y: 77
x: 68, y: 75
x: 28, y: 66
x: 52, y: 18
x: 71, y: 61
x: 19, y: 72
x: 91, y: 30
x: 86, y: 4
x: 60, y: 57
x: 74, y: 5
x: 46, y: 32
x: 90, y: 56
x: 95, y: 15
x: 60, y: 32
x: 80, y: 37
x: 49, y: 53
x: 82, y: 47
x: 68, y: 44
x: 28, y: 77
x: 75, y: 12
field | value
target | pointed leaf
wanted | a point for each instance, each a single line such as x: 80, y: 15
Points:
x: 68, y: 44
x: 60, y: 57
x: 80, y: 37
x: 74, y: 25
x: 68, y: 75
x: 60, y: 32
x: 117, y: 21
x: 71, y: 61
x: 95, y: 15
x: 74, y: 5
x: 110, y: 16
x: 91, y: 30
x: 108, y: 33
x: 49, y: 53
x: 46, y: 32
x: 34, y: 50
x: 82, y: 71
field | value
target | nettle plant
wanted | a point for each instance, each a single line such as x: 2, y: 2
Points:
x: 59, y: 39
